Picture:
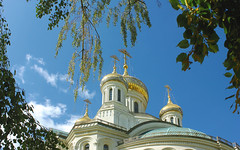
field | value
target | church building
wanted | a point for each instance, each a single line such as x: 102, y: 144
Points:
x: 121, y: 123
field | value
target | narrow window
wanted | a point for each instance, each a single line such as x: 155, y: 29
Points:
x: 178, y: 121
x: 119, y: 95
x: 171, y: 120
x: 86, y: 147
x: 110, y: 94
x: 135, y: 107
x: 105, y: 147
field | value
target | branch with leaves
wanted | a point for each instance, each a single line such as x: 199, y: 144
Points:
x: 82, y: 18
x: 18, y: 128
x: 200, y: 18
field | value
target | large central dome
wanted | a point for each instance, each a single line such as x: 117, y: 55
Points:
x: 137, y: 85
x: 178, y: 131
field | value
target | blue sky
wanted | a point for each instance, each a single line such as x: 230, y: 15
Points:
x: 200, y: 91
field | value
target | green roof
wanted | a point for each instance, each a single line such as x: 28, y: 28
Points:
x: 178, y: 131
x: 59, y: 132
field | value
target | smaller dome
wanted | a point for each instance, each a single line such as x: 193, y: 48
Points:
x: 113, y: 77
x: 84, y: 119
x: 178, y: 131
x: 170, y: 107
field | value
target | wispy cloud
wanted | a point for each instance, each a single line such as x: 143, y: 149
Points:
x: 85, y: 94
x: 65, y: 77
x: 20, y: 72
x: 46, y: 113
x: 39, y: 60
x: 50, y: 78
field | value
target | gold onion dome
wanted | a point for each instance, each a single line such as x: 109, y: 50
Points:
x: 114, y: 76
x: 84, y: 119
x: 170, y: 106
x: 137, y: 85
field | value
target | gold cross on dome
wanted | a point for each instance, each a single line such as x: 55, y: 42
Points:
x: 169, y: 89
x: 125, y: 66
x: 87, y: 101
x: 115, y: 59
x: 86, y: 111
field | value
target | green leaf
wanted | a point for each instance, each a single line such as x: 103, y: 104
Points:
x: 229, y: 96
x: 225, y: 29
x: 230, y: 87
x: 213, y: 38
x: 228, y: 74
x: 181, y: 57
x: 185, y: 65
x: 174, y: 4
x: 213, y: 48
x: 187, y: 34
x: 183, y: 44
x: 237, y: 72
x: 198, y: 57
x: 228, y: 63
x: 182, y: 20
x: 183, y: 2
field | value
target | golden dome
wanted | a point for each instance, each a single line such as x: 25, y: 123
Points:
x: 170, y: 106
x: 84, y: 119
x: 113, y: 77
x: 137, y: 85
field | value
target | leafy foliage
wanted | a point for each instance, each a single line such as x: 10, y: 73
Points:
x: 18, y: 128
x: 200, y: 18
x: 82, y: 18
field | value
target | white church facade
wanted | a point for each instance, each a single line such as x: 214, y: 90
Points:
x: 121, y: 123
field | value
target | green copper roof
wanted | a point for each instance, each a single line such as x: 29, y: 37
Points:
x: 178, y: 131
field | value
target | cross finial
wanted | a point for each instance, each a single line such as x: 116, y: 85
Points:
x: 87, y: 102
x: 125, y: 66
x: 169, y: 89
x: 115, y: 59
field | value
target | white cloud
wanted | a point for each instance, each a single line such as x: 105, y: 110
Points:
x: 67, y: 125
x: 39, y: 60
x: 46, y: 113
x: 28, y: 57
x: 20, y: 72
x: 63, y: 90
x: 65, y: 77
x: 50, y: 78
x: 85, y: 94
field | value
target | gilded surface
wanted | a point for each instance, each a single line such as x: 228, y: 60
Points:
x: 138, y: 89
x: 113, y: 77
x: 170, y: 107
x: 85, y: 118
x: 136, y: 81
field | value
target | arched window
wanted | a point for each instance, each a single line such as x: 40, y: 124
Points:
x: 110, y: 94
x: 86, y: 147
x: 171, y: 120
x: 105, y: 147
x: 119, y: 95
x: 178, y: 121
x: 135, y: 107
